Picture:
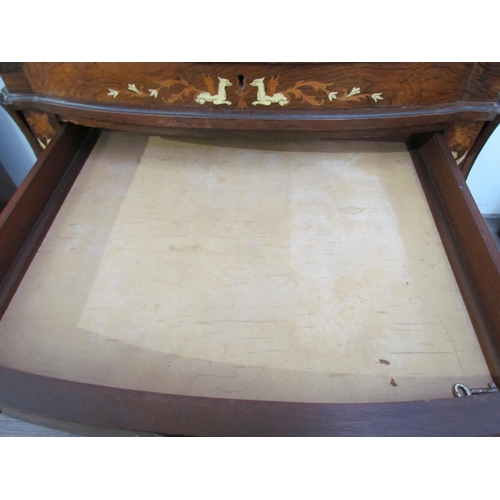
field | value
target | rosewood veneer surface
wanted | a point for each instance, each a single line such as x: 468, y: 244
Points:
x: 89, y: 348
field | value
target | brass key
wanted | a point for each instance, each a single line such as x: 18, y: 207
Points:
x: 460, y: 390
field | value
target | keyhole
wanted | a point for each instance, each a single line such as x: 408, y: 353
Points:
x: 241, y: 81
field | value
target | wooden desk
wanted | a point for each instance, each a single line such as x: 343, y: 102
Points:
x: 305, y: 288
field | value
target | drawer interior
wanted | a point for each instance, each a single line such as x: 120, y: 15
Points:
x: 305, y: 271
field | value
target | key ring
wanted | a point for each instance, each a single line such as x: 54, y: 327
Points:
x: 457, y: 388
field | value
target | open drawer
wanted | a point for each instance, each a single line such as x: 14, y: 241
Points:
x: 239, y: 286
x: 241, y: 275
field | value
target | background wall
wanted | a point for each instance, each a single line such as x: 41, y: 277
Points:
x: 484, y: 178
x: 16, y: 155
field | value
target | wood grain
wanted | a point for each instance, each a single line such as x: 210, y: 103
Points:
x: 460, y: 137
x: 401, y: 84
x: 14, y: 77
x: 43, y: 126
x: 329, y: 100
x: 337, y: 100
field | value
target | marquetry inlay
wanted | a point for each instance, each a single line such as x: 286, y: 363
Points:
x: 311, y: 92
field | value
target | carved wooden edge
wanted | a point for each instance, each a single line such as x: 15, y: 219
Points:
x: 335, y: 120
x: 478, y: 145
x: 189, y: 415
x: 28, y: 215
x: 471, y: 250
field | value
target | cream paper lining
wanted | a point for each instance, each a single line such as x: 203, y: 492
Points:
x: 304, y: 272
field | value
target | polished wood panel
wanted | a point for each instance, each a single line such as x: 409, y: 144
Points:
x: 14, y: 77
x: 305, y: 86
x: 387, y: 101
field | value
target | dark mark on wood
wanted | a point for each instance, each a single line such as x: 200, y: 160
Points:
x: 393, y: 383
x: 384, y: 361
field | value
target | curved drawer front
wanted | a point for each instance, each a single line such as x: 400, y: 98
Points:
x: 262, y: 88
x: 325, y: 100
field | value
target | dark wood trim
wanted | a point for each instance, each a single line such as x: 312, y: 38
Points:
x: 478, y: 145
x: 396, y: 134
x: 319, y: 120
x: 474, y: 110
x: 197, y: 416
x: 28, y: 215
x: 13, y: 76
x: 471, y: 250
x: 7, y: 187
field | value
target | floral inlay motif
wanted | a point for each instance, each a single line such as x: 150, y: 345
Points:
x: 188, y: 90
x: 310, y: 92
x: 457, y: 159
x: 40, y: 126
